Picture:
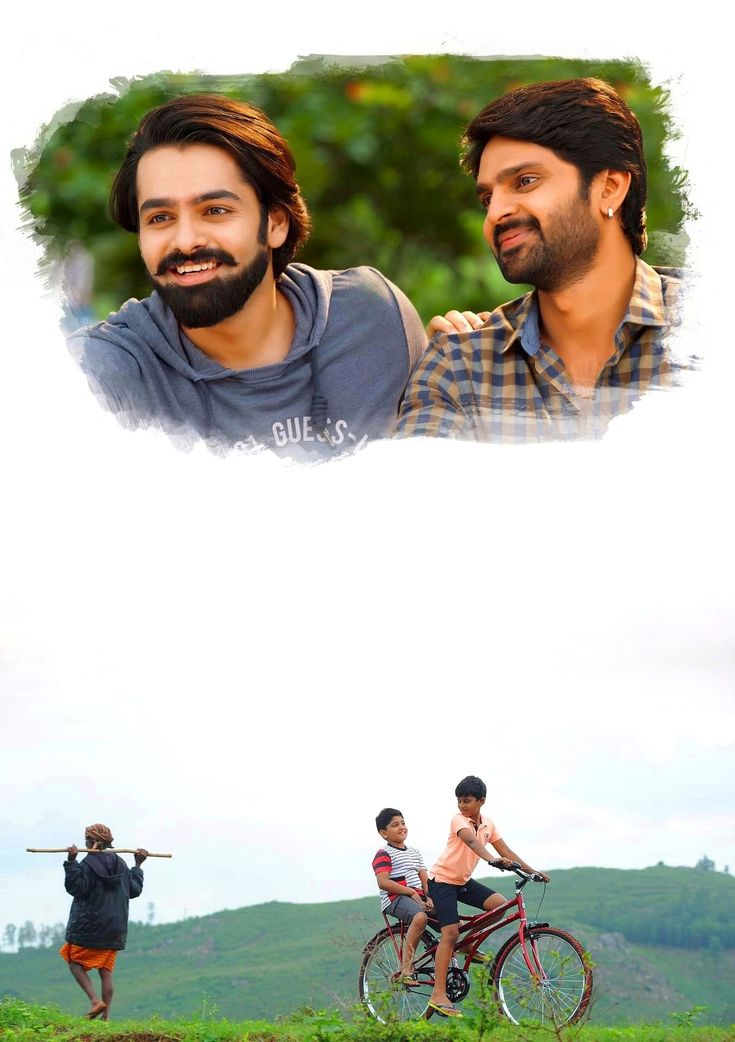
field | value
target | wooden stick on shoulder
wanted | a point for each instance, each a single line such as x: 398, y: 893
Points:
x: 86, y: 850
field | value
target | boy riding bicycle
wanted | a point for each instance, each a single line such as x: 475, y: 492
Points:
x: 450, y: 878
x: 402, y: 878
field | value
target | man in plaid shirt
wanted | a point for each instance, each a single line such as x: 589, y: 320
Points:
x: 561, y: 175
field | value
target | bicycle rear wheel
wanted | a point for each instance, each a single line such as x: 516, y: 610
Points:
x: 384, y: 997
x: 557, y: 990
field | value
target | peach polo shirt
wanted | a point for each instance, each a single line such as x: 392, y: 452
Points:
x: 457, y: 861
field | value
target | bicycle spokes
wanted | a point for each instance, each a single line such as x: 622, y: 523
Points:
x: 549, y: 982
x: 381, y: 990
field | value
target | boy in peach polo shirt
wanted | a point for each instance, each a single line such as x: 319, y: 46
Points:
x: 450, y: 878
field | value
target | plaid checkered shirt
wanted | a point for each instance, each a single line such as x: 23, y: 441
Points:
x: 502, y: 383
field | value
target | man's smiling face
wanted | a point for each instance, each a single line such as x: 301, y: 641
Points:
x: 204, y: 234
x: 539, y: 221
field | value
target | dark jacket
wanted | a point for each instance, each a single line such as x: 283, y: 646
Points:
x: 101, y: 885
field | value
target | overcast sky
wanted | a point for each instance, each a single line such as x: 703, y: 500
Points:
x: 241, y: 662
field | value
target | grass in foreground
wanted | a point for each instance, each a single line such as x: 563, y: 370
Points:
x: 20, y: 1022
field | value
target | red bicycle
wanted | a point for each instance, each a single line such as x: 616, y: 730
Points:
x: 540, y: 974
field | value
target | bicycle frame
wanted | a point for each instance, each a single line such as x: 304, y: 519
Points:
x: 538, y: 973
x: 476, y: 930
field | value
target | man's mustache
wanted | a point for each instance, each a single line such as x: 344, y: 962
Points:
x: 176, y: 258
x: 519, y: 222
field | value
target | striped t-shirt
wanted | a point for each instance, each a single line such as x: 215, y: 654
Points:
x: 402, y: 865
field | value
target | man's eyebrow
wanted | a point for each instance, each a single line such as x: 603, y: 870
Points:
x: 205, y: 197
x: 507, y: 173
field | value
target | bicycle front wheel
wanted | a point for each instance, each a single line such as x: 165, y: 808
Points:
x: 384, y: 997
x: 555, y: 989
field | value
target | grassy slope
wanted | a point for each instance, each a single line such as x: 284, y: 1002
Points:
x: 20, y: 1022
x: 268, y: 959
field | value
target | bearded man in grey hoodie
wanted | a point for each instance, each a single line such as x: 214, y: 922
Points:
x: 238, y: 345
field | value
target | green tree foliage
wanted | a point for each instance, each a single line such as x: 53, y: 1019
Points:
x: 46, y: 936
x: 376, y: 148
x: 273, y: 958
x: 27, y: 936
x: 676, y: 907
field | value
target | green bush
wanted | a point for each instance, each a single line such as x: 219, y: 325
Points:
x: 376, y: 150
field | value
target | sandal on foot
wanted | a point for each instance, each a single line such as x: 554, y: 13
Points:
x: 96, y: 1010
x: 408, y: 980
x: 445, y: 1009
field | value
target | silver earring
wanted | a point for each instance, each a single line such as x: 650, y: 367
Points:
x: 610, y: 212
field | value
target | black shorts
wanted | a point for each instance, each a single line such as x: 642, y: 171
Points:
x: 446, y: 895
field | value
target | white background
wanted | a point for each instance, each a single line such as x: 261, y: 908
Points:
x: 241, y: 661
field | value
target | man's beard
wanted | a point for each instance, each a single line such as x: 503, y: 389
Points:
x: 554, y: 260
x: 210, y: 303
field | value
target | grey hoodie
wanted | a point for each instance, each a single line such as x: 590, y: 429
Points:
x: 356, y: 341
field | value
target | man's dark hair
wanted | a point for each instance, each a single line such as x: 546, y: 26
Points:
x: 385, y: 817
x: 472, y: 786
x: 243, y: 131
x: 585, y: 122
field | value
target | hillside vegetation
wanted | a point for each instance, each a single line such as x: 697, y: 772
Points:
x: 677, y: 907
x: 20, y: 1022
x: 359, y: 132
x: 270, y: 959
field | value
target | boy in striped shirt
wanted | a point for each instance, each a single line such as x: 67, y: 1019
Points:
x: 403, y: 881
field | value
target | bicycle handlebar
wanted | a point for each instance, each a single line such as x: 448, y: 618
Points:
x: 534, y: 877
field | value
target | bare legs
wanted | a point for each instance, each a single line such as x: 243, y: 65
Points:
x: 445, y: 949
x: 97, y: 1007
x: 409, y: 945
x: 493, y: 901
x: 107, y: 990
x: 441, y: 964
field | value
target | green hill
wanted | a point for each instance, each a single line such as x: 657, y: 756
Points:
x: 269, y: 959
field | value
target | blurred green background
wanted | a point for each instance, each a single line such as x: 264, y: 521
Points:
x: 376, y: 143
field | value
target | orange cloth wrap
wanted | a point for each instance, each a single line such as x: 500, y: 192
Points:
x: 89, y: 958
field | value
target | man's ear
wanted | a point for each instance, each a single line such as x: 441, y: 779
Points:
x: 278, y: 225
x: 612, y: 187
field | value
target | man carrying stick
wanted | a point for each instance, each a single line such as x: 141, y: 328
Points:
x: 101, y: 885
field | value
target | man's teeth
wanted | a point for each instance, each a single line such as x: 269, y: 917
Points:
x: 186, y: 269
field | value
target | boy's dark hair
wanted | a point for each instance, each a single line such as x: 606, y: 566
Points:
x: 472, y: 786
x: 243, y: 131
x: 585, y: 122
x: 385, y: 817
